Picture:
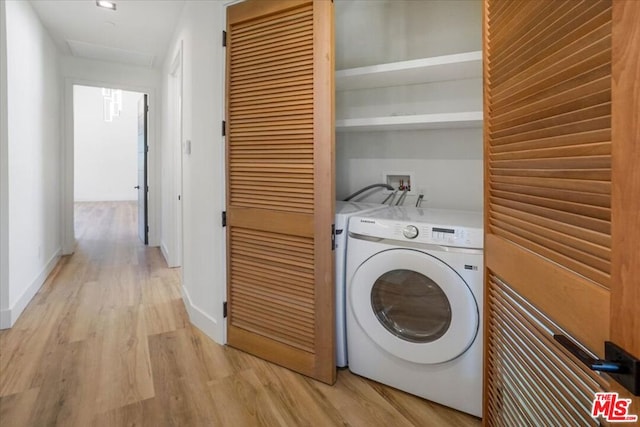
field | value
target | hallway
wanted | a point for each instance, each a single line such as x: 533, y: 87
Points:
x: 107, y: 342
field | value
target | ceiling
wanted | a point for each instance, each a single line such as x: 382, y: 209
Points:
x: 138, y: 32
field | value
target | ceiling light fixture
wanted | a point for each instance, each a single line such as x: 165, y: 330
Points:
x: 106, y: 4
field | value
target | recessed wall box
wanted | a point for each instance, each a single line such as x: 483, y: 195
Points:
x: 400, y: 181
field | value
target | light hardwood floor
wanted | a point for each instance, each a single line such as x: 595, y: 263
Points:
x: 107, y: 342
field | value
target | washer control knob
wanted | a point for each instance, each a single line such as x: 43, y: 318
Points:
x: 410, y: 232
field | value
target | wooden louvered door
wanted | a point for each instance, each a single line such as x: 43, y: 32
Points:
x: 280, y: 188
x: 562, y: 109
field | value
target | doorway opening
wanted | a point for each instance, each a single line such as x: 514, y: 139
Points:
x: 110, y: 153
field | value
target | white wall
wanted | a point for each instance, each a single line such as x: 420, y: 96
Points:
x: 80, y: 71
x: 199, y: 32
x: 372, y: 32
x: 33, y: 155
x: 4, y: 173
x: 105, y: 153
x: 446, y: 164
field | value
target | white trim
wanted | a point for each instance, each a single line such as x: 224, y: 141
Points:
x: 9, y: 316
x: 222, y: 182
x: 5, y: 319
x: 155, y: 105
x: 176, y: 97
x: 165, y: 251
x: 198, y: 317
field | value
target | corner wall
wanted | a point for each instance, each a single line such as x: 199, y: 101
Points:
x: 204, y: 281
x: 33, y: 102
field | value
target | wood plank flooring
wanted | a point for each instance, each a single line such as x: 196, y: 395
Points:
x: 107, y: 342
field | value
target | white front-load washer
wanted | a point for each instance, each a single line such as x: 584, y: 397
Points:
x: 344, y: 211
x: 414, y: 302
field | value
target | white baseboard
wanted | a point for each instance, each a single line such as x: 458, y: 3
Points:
x: 9, y: 316
x: 171, y: 262
x: 165, y: 252
x: 200, y: 319
x: 5, y: 319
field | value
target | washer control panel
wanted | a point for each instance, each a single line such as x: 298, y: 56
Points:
x: 428, y: 228
x: 434, y: 234
x: 447, y: 235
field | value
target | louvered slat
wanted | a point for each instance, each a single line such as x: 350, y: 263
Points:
x: 279, y: 308
x: 593, y: 105
x: 555, y: 32
x: 548, y: 88
x: 553, y: 120
x: 590, y: 93
x: 532, y: 380
x: 560, y: 38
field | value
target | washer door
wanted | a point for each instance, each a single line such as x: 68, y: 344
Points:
x: 414, y: 306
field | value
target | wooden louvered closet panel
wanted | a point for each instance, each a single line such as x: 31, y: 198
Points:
x: 280, y: 182
x: 548, y: 155
x: 548, y: 199
x: 549, y: 132
x: 562, y: 201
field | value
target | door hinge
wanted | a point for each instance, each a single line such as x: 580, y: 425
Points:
x: 224, y: 128
x: 147, y: 148
x: 146, y: 108
x: 224, y: 309
x: 333, y: 237
x: 224, y: 218
x: 147, y: 228
x: 224, y: 38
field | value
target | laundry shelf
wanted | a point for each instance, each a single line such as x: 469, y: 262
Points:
x: 458, y: 66
x: 418, y: 121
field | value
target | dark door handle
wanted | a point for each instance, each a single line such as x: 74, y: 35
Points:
x: 622, y: 366
x: 137, y: 187
x: 592, y: 363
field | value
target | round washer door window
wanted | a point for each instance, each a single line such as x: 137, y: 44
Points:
x: 414, y: 306
x: 411, y: 306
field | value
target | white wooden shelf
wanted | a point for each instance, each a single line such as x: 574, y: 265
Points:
x: 434, y: 69
x: 419, y: 121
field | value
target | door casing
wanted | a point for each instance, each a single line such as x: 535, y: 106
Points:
x: 67, y: 160
x: 143, y: 180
